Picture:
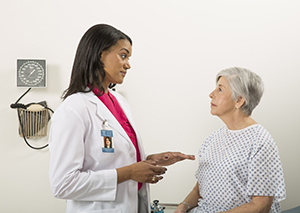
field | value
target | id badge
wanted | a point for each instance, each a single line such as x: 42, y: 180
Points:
x: 107, y: 139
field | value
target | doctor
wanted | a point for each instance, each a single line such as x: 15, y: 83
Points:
x: 90, y: 176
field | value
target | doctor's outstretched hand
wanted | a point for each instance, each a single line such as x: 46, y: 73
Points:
x: 169, y: 158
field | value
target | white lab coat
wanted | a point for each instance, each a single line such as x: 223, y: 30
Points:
x: 79, y: 171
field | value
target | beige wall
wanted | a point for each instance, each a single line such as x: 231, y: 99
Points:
x: 178, y: 47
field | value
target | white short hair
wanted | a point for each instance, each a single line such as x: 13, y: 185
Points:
x: 244, y: 83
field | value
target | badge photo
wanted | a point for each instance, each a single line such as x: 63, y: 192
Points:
x: 107, y: 141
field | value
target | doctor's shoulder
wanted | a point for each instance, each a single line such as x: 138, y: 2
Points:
x: 74, y: 104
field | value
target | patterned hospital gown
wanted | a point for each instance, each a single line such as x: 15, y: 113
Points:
x: 234, y: 165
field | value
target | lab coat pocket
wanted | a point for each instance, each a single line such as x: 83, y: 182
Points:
x: 102, y: 211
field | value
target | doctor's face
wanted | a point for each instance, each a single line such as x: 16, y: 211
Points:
x: 116, y: 62
x: 221, y: 99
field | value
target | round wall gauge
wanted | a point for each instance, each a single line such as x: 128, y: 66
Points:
x: 31, y: 73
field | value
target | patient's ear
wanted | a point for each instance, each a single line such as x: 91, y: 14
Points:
x: 239, y: 102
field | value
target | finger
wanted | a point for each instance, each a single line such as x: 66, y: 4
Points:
x: 155, y: 179
x: 184, y: 156
x: 191, y: 157
x: 188, y: 157
x: 158, y: 178
x: 158, y: 170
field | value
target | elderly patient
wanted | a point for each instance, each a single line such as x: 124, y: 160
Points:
x: 239, y: 164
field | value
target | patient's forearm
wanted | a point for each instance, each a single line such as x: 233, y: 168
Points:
x: 259, y: 204
x: 191, y: 200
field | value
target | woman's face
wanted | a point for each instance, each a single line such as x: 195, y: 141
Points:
x: 116, y: 62
x: 221, y: 99
x: 107, y: 141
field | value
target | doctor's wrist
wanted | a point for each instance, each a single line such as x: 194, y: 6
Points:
x: 124, y: 174
x: 149, y: 157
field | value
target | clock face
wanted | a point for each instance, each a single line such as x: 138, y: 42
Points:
x: 31, y: 73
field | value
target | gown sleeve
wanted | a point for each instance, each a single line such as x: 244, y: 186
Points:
x: 265, y: 169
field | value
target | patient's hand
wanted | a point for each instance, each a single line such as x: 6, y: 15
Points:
x: 169, y: 158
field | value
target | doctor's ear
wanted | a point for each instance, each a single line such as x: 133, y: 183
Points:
x: 239, y: 102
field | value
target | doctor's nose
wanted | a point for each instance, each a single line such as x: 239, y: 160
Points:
x: 127, y: 65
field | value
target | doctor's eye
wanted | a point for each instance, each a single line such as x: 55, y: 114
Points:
x: 123, y: 55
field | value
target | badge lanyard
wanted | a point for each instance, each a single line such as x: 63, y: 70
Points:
x: 107, y: 138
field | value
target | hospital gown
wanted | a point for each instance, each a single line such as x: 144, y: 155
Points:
x: 235, y: 165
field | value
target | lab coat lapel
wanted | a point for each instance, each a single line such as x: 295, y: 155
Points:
x: 127, y: 110
x: 104, y: 114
